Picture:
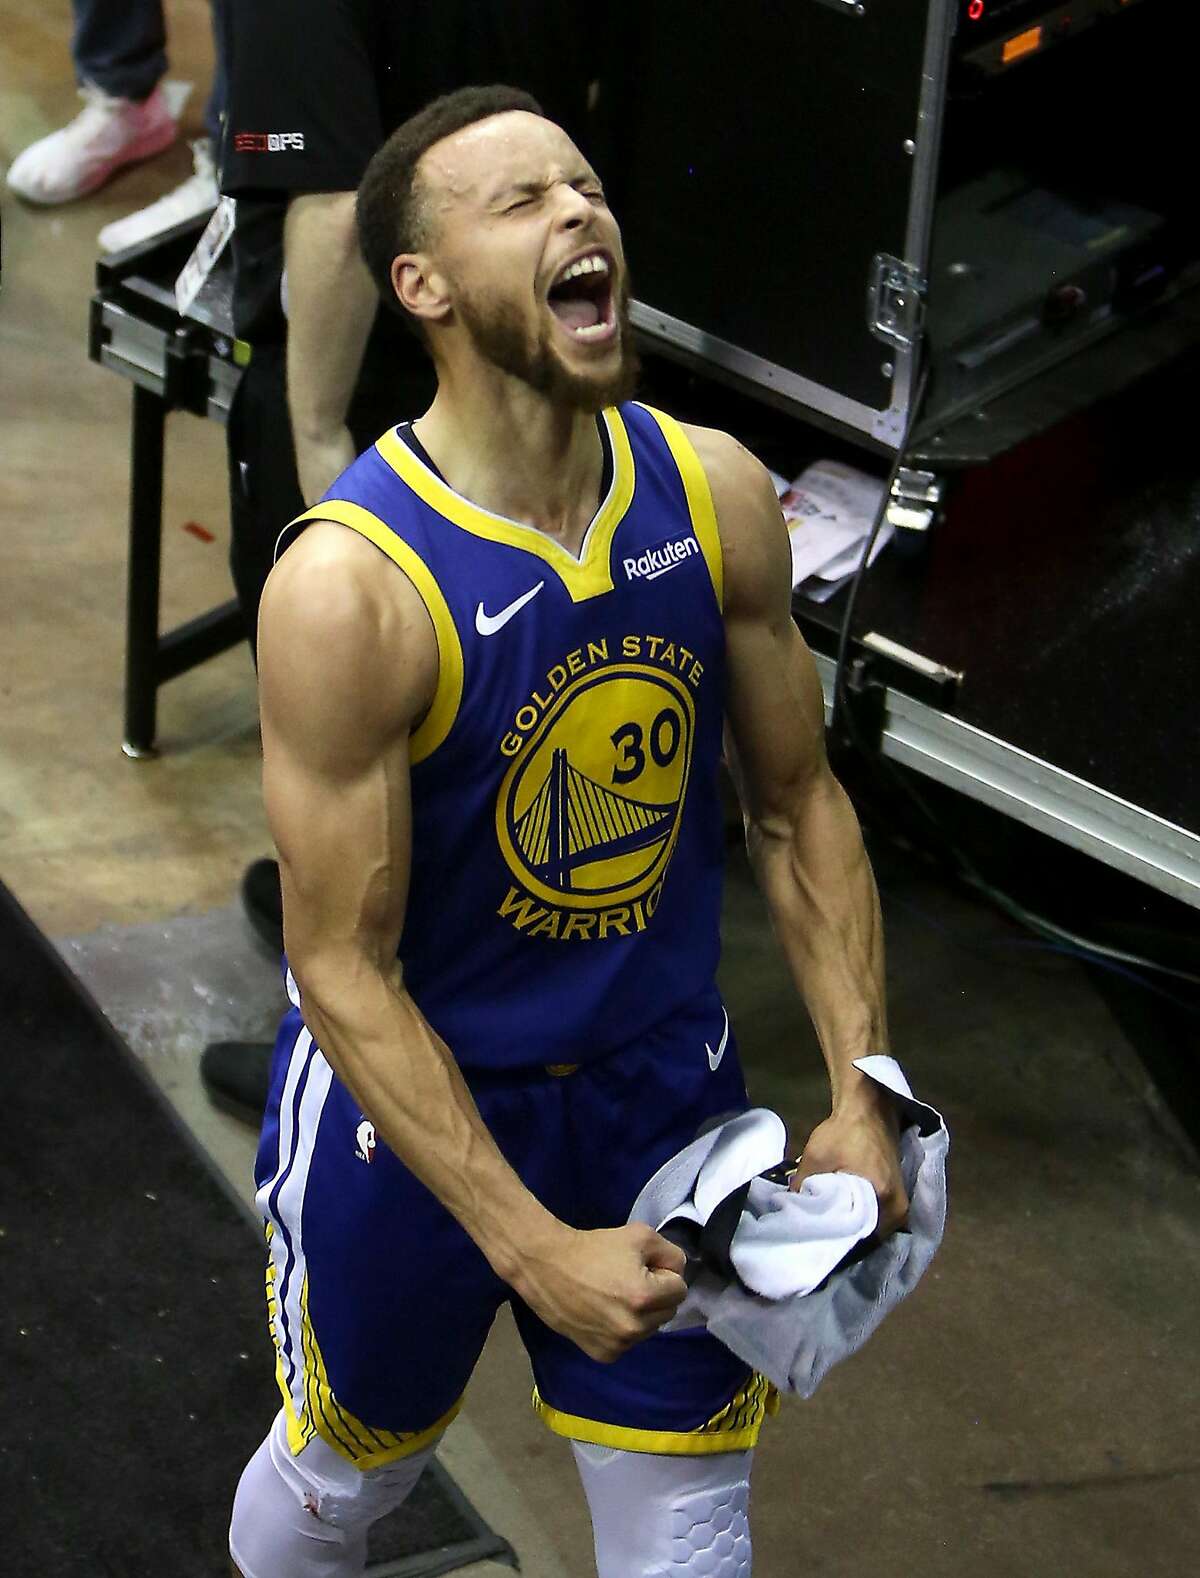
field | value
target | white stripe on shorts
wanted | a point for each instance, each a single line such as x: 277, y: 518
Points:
x: 308, y: 1078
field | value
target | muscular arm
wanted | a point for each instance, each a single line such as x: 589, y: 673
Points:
x: 347, y: 667
x: 331, y: 306
x: 803, y: 837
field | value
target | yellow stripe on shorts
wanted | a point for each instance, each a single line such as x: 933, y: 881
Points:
x: 366, y: 1446
x: 733, y: 1428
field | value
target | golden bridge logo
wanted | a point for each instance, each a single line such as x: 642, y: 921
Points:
x: 588, y: 812
x: 574, y: 822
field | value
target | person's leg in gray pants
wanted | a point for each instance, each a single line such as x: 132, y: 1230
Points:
x: 120, y: 46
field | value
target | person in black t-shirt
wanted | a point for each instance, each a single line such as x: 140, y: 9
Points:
x: 314, y: 89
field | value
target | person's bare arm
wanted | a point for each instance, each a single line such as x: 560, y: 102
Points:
x: 347, y: 667
x: 803, y: 837
x: 331, y: 306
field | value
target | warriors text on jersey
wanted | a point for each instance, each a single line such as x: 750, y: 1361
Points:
x: 566, y: 830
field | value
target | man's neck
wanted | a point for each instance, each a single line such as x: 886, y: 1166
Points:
x: 509, y: 450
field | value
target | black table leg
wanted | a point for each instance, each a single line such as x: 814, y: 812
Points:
x: 145, y: 560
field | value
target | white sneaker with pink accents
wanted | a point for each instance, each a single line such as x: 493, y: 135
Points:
x: 107, y: 134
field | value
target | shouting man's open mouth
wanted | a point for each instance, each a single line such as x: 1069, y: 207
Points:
x: 581, y: 298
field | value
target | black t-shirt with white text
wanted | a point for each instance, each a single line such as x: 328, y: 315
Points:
x: 315, y: 86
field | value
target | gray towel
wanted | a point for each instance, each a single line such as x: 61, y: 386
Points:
x: 798, y: 1284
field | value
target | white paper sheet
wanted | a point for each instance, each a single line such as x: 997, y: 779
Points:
x: 830, y: 509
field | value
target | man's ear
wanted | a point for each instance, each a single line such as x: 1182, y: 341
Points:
x: 419, y: 287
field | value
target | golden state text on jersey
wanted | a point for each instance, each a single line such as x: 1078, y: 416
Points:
x: 567, y: 842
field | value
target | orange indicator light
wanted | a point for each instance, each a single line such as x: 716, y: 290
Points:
x: 1023, y: 44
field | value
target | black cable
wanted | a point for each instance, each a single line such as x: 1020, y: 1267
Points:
x: 1041, y: 926
x: 840, y: 710
x: 1039, y: 945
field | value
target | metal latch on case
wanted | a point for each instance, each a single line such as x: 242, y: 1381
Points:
x: 895, y: 301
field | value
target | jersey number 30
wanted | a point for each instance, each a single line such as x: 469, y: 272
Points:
x: 665, y: 734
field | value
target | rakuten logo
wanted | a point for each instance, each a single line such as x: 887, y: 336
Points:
x: 657, y: 561
x: 268, y: 142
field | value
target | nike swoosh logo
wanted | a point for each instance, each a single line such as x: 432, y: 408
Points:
x: 714, y: 1058
x: 488, y: 624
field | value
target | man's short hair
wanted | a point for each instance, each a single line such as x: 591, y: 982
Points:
x: 391, y: 212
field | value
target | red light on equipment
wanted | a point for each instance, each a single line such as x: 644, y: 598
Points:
x: 975, y: 10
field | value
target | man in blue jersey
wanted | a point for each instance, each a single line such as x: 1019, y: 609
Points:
x: 497, y: 663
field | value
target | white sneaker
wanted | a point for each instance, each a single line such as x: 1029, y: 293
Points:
x: 194, y: 197
x: 79, y: 157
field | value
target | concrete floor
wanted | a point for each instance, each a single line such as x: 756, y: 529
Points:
x: 1035, y: 1408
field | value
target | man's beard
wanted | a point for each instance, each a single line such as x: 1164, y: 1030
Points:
x: 501, y: 336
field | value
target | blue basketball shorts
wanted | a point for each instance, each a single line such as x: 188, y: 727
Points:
x: 379, y: 1302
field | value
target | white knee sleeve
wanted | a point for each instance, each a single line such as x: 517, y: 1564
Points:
x: 308, y: 1516
x: 667, y: 1517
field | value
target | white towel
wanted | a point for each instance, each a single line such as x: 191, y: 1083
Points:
x: 788, y: 1300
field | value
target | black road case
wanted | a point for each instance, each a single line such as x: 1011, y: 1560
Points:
x: 814, y: 192
x: 821, y: 199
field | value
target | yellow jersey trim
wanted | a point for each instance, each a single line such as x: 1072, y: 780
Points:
x: 588, y: 576
x: 735, y: 1428
x: 365, y: 1446
x: 437, y: 723
x: 699, y: 497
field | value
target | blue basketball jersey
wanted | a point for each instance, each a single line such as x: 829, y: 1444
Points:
x: 567, y: 841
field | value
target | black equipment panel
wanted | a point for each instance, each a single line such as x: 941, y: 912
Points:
x: 997, y: 35
x: 757, y: 165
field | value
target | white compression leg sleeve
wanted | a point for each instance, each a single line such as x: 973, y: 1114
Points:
x: 308, y: 1516
x: 667, y: 1517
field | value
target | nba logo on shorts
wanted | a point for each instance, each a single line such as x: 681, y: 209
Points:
x: 365, y: 1135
